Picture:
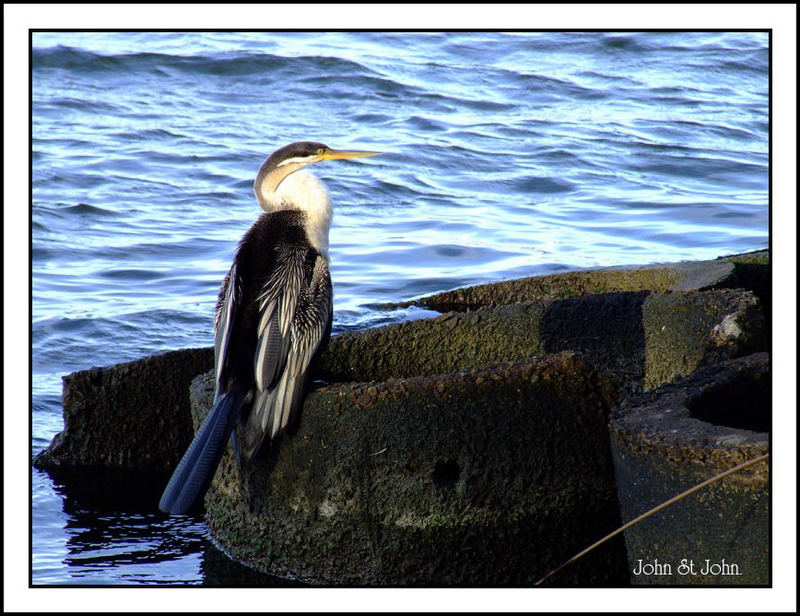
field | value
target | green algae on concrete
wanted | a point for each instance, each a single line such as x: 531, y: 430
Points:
x: 485, y: 476
x: 686, y: 330
x: 757, y: 257
x: 686, y: 276
x: 677, y: 436
x: 555, y: 286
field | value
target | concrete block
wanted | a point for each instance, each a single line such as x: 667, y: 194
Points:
x: 677, y: 436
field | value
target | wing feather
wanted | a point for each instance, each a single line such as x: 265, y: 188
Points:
x: 268, y: 354
x: 277, y: 302
x: 296, y: 315
x: 224, y: 319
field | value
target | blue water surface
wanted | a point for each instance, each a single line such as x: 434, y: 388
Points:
x: 505, y: 155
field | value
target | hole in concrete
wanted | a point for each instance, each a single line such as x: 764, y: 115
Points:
x: 743, y: 403
x: 446, y: 474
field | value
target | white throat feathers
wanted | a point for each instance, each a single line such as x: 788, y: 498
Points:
x: 299, y: 190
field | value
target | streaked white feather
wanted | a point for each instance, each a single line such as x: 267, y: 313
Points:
x: 222, y: 325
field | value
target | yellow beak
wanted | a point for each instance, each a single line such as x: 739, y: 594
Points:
x: 339, y: 154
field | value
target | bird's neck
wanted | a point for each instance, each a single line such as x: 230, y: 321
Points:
x: 300, y: 191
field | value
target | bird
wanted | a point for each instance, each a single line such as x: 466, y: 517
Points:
x: 273, y: 317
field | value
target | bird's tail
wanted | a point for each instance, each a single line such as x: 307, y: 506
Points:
x: 194, y: 472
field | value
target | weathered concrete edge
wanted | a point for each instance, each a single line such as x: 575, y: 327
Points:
x: 661, y: 419
x: 679, y: 276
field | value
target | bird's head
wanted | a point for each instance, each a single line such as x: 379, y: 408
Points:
x: 293, y: 157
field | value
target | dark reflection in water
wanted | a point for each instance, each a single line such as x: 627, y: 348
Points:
x: 113, y: 524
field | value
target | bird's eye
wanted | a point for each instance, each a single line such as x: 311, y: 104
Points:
x: 320, y: 151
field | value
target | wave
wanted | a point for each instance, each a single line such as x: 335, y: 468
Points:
x: 225, y: 64
x: 84, y: 209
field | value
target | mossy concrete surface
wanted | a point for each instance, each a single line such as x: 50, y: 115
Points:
x: 756, y: 257
x: 748, y: 271
x: 487, y: 476
x: 643, y: 338
x: 131, y: 416
x: 675, y: 437
x: 684, y: 331
x: 691, y: 275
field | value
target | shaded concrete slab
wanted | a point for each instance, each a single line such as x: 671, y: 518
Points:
x: 643, y: 338
x: 675, y: 437
x: 128, y: 416
x: 752, y: 272
x: 486, y: 476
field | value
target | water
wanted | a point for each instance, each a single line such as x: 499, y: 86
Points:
x: 506, y: 155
